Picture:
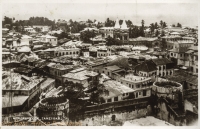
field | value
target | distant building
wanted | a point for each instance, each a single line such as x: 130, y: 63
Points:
x: 164, y: 67
x: 51, y: 39
x: 146, y: 69
x: 140, y: 85
x: 25, y: 93
x: 29, y: 29
x: 121, y: 32
x: 103, y: 52
x: 106, y: 31
x: 116, y: 91
x: 60, y: 51
x: 148, y: 42
x: 81, y: 76
x: 57, y: 70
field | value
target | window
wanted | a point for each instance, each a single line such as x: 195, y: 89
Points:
x: 196, y: 70
x: 130, y: 85
x: 181, y: 55
x: 115, y: 98
x: 50, y: 39
x: 139, y: 93
x: 171, y: 54
x: 54, y: 39
x: 109, y: 100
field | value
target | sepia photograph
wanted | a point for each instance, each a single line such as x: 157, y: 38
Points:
x: 99, y: 63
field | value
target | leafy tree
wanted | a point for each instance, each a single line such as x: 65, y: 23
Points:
x: 163, y: 44
x: 142, y: 24
x: 152, y: 27
x: 129, y: 23
x: 179, y: 25
x: 120, y: 22
x: 73, y: 92
x: 162, y: 33
x: 156, y: 25
x: 109, y: 23
x: 86, y: 35
x: 111, y: 41
x: 161, y: 24
x: 97, y: 91
x: 164, y: 25
x: 157, y: 33
x: 173, y: 25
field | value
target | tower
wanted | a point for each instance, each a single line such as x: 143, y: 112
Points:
x: 121, y: 32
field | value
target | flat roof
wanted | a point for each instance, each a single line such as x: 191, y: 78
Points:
x: 133, y: 78
x: 16, y: 101
x: 46, y: 83
x: 115, y: 88
x: 81, y: 75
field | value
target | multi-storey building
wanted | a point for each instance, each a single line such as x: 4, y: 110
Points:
x: 191, y: 59
x: 106, y: 31
x: 164, y: 67
x: 81, y: 76
x: 121, y: 32
x: 23, y: 93
x: 60, y: 51
x: 57, y: 70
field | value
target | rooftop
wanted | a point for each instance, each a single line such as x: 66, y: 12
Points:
x: 18, y: 83
x: 161, y: 61
x: 142, y: 39
x: 113, y: 67
x: 80, y: 75
x: 167, y: 84
x: 116, y: 88
x: 47, y: 82
x: 16, y: 101
x: 61, y: 67
x: 133, y: 78
x: 146, y: 66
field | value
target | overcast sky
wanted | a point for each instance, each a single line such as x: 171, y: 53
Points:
x: 171, y: 13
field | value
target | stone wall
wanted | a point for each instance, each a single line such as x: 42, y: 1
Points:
x: 106, y: 119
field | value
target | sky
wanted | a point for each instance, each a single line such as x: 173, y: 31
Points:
x: 171, y: 13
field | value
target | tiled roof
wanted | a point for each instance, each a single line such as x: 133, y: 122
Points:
x: 120, y: 62
x: 146, y: 66
x: 161, y: 61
